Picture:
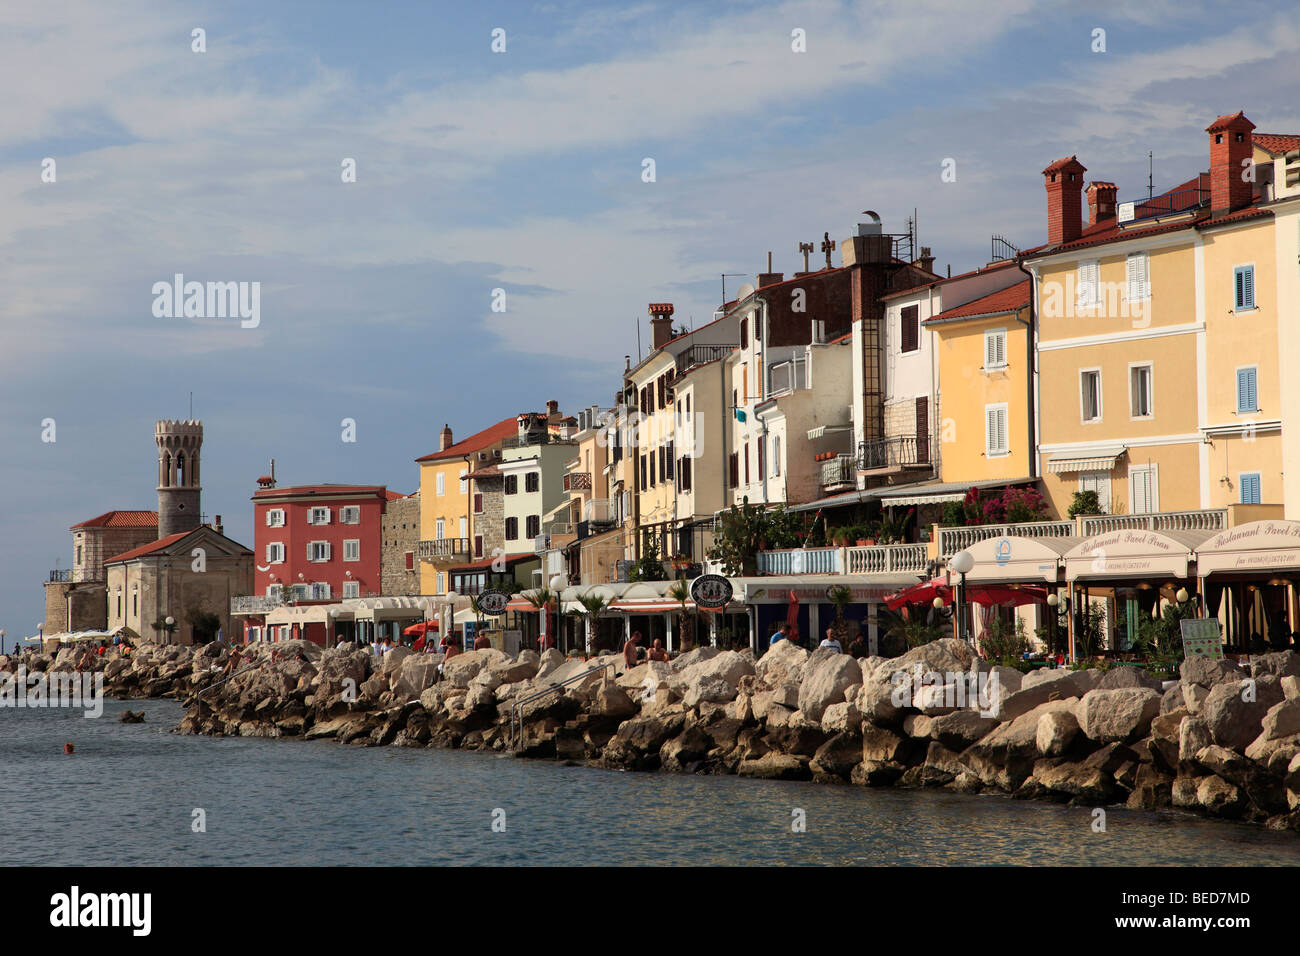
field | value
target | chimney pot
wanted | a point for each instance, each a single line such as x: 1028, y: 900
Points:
x: 1231, y: 149
x: 446, y: 441
x: 661, y: 323
x: 1101, y: 201
x: 552, y: 407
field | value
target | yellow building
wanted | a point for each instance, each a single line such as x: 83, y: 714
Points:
x: 1158, y: 339
x: 983, y: 346
x: 447, y: 503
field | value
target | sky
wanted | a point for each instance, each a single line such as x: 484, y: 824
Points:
x: 520, y: 170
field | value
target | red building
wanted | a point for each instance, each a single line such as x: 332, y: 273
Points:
x: 318, y: 542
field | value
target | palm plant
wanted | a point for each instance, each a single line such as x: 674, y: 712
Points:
x: 593, y: 606
x: 841, y: 596
x: 541, y: 598
x: 681, y: 593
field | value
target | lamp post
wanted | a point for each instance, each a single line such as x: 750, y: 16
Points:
x: 558, y: 584
x: 962, y: 562
x: 40, y: 635
x: 2, y: 641
x: 171, y: 625
x: 449, y: 619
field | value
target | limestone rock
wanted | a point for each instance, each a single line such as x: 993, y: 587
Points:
x: 945, y: 656
x: 961, y: 728
x: 1278, y: 664
x: 1116, y: 715
x: 393, y: 659
x: 781, y: 662
x: 1173, y: 699
x: 841, y: 717
x: 1193, y: 736
x: 1235, y: 720
x: 714, y: 690
x: 550, y: 660
x: 836, y: 758
x: 612, y: 701
x: 416, y: 673
x: 1005, y: 758
x: 1046, y: 685
x: 1056, y: 732
x: 876, y: 702
x: 683, y: 661
x: 880, y: 745
x: 1220, y: 798
x: 1282, y: 719
x: 1205, y: 672
x: 776, y: 766
x: 1118, y: 678
x: 826, y: 677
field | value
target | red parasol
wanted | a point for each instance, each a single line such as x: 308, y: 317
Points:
x: 986, y: 594
x: 424, y: 627
x: 792, y: 617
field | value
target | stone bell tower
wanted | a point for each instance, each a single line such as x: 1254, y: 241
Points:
x: 179, y: 444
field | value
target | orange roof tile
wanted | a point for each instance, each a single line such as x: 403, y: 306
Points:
x: 502, y: 430
x: 149, y: 548
x: 1011, y: 298
x: 121, y: 519
x: 1277, y: 143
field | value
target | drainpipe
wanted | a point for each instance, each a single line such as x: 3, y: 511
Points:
x: 1030, y: 370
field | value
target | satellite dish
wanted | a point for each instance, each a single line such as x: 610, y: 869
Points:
x: 745, y: 291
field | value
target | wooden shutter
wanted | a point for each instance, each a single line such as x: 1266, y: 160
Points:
x: 911, y: 337
x: 1247, y: 394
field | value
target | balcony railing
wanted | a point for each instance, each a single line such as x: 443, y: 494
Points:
x: 838, y: 470
x: 701, y: 354
x: 599, y: 511
x: 77, y: 576
x: 254, y: 604
x: 800, y: 561
x: 444, y: 549
x: 1213, y: 519
x: 901, y: 451
x: 536, y: 438
x: 886, y: 558
x: 952, y: 540
x: 577, y: 481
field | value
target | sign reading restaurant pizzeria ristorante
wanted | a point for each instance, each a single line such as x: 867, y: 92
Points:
x: 711, y: 591
x: 493, y: 602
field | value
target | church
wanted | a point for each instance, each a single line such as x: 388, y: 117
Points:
x: 177, y: 587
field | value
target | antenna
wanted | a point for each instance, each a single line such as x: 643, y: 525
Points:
x: 724, y: 284
x: 1149, y: 171
x: 191, y: 406
x: 638, y: 339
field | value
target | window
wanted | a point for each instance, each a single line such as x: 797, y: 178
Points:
x: 684, y: 470
x: 440, y: 528
x: 352, y: 589
x: 478, y: 502
x: 119, y: 605
x: 1247, y: 393
x: 531, y: 481
x: 350, y: 515
x: 776, y: 455
x: 995, y: 430
x: 995, y: 349
x: 318, y: 551
x: 275, y: 517
x: 275, y: 592
x: 1248, y: 481
x: 1098, y: 481
x: 464, y: 481
x: 320, y: 591
x: 1090, y: 394
x: 512, y: 529
x: 744, y: 329
x: 410, y: 560
x: 440, y: 484
x: 532, y: 526
x: 1144, y: 489
x: 512, y: 484
x: 78, y: 555
x: 643, y: 472
x: 1244, y: 288
x: 462, y: 527
x: 746, y: 462
x: 911, y: 328
x: 135, y: 605
x: 668, y: 460
x: 1088, y: 280
x: 478, y: 546
x: 318, y: 516
x: 275, y: 553
x: 762, y: 457
x: 1139, y: 391
x: 1137, y: 275
x: 442, y: 582
x: 733, y: 470
x: 352, y: 549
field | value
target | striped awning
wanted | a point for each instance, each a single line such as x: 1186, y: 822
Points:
x: 823, y: 430
x: 1094, y: 459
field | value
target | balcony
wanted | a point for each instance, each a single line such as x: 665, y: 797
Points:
x: 700, y: 355
x: 599, y: 511
x: 871, y: 559
x: 800, y: 561
x: 76, y: 576
x: 444, y: 549
x: 1213, y: 520
x: 536, y: 438
x: 254, y: 604
x: 577, y: 481
x: 894, y: 454
x: 838, y: 473
x: 952, y: 540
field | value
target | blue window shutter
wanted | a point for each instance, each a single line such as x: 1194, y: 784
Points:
x: 1244, y: 278
x: 1253, y: 397
x: 1246, y: 392
x: 1250, y: 489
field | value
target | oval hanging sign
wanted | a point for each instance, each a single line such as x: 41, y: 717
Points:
x: 493, y: 602
x: 711, y: 591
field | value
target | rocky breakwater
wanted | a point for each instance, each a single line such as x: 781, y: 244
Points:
x: 150, y: 670
x: 1223, y: 740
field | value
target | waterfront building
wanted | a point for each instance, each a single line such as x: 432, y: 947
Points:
x: 75, y: 599
x: 399, y: 573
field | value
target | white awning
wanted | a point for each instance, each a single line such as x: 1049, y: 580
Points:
x: 822, y: 430
x: 1094, y: 459
x: 924, y: 499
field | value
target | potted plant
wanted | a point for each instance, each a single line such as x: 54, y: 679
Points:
x: 681, y: 562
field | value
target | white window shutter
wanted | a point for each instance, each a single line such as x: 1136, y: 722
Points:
x: 268, y: 518
x: 268, y: 554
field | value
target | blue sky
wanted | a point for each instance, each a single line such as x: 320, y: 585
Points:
x: 519, y: 170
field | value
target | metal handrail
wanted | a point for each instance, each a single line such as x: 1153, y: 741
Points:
x: 516, y: 721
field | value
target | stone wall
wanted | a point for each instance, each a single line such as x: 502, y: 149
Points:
x: 491, y: 524
x: 400, y: 535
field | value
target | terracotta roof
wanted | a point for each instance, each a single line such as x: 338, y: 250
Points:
x: 506, y: 428
x: 491, y: 471
x: 982, y: 270
x: 1011, y: 298
x: 150, y: 548
x: 842, y: 338
x: 1277, y: 143
x: 394, y: 495
x: 121, y: 519
x: 1229, y: 119
x: 350, y: 491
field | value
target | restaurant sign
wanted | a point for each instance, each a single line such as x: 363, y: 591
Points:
x: 1259, y: 545
x: 711, y: 591
x: 493, y: 601
x: 1130, y: 552
x: 1201, y: 638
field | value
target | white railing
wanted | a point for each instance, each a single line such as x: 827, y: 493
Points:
x: 599, y: 510
x: 885, y: 558
x: 838, y: 470
x: 800, y: 561
x: 253, y: 604
x: 1213, y: 519
x: 443, y: 548
x: 952, y: 540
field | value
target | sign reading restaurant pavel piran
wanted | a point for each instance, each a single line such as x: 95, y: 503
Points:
x: 1260, y: 544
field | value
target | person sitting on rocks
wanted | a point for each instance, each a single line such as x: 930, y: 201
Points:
x: 859, y: 646
x: 453, y: 647
x: 629, y: 650
x: 831, y: 641
x: 482, y: 642
x: 782, y: 633
x: 657, y: 652
x: 233, y: 661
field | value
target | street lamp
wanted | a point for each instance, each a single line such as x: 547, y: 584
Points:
x: 1181, y: 597
x: 2, y: 641
x: 40, y: 634
x: 962, y: 562
x: 449, y: 621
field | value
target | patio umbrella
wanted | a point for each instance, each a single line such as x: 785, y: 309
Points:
x: 422, y: 627
x: 986, y: 594
x: 792, y: 617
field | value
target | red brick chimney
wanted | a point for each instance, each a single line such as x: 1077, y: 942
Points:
x: 1230, y: 145
x: 661, y: 323
x: 1101, y: 201
x: 1064, y: 181
x: 552, y: 409
x: 446, y: 441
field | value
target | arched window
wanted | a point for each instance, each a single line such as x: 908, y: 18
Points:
x: 165, y: 477
x: 180, y: 468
